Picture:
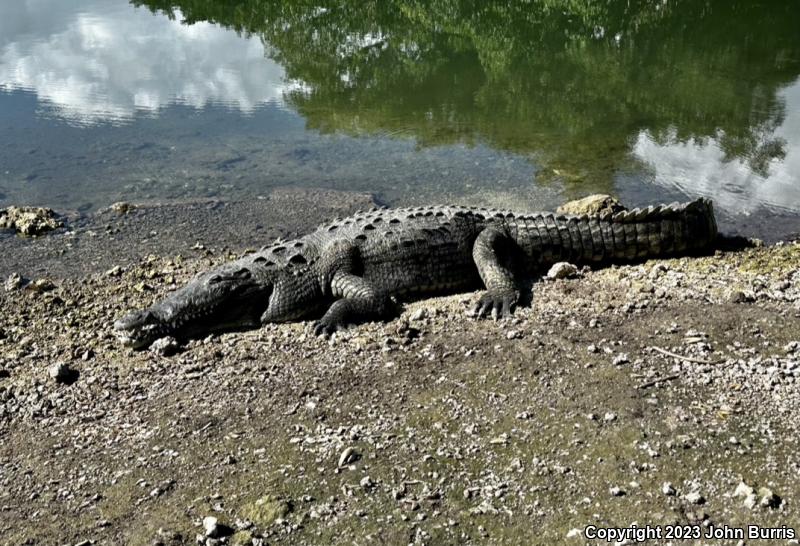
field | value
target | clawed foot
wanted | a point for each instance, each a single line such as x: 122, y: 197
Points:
x: 326, y: 327
x: 496, y: 303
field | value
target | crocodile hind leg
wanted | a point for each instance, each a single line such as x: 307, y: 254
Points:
x: 492, y: 252
x: 358, y: 300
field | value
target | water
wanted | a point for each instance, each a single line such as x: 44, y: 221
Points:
x: 523, y: 104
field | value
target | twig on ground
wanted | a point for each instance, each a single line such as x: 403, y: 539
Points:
x: 681, y: 357
x: 656, y: 381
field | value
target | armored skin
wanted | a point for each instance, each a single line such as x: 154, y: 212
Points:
x: 348, y: 270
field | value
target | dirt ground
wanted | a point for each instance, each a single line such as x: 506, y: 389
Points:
x: 651, y: 394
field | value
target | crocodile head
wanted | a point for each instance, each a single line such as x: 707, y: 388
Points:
x: 239, y: 295
x: 228, y: 298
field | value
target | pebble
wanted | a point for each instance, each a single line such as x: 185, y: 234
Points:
x: 562, y: 270
x: 742, y: 490
x: 616, y: 491
x: 211, y: 526
x: 620, y: 359
x: 737, y: 296
x: 348, y: 456
x: 41, y: 285
x: 657, y: 271
x: 768, y: 498
x: 13, y: 282
x: 695, y: 498
x: 122, y: 207
x: 419, y: 314
x: 62, y: 373
x: 668, y: 489
x: 165, y: 346
x: 609, y: 417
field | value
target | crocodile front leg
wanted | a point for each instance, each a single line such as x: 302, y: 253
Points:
x: 492, y: 253
x: 357, y: 298
x: 359, y: 301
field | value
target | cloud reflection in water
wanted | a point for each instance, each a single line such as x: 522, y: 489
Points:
x: 701, y: 168
x: 96, y: 63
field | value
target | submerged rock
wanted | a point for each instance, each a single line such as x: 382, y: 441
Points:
x: 29, y: 220
x: 592, y: 204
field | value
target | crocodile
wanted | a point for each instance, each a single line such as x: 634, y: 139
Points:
x: 351, y: 269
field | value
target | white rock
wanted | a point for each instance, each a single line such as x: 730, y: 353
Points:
x: 742, y: 490
x: 347, y: 456
x: 695, y: 498
x: 562, y: 270
x: 165, y: 346
x: 13, y: 282
x: 61, y: 372
x: 620, y: 359
x: 211, y: 526
x: 115, y: 271
x: 768, y: 498
x: 668, y: 489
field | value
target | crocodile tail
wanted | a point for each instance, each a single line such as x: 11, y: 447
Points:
x: 662, y: 230
x: 702, y: 225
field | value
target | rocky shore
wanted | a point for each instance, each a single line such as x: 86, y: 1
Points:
x: 652, y: 394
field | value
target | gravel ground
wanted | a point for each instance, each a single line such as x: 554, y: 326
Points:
x: 659, y: 393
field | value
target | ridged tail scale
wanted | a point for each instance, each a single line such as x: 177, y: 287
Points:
x: 663, y: 230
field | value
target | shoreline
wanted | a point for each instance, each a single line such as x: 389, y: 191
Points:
x: 96, y: 242
x: 655, y: 393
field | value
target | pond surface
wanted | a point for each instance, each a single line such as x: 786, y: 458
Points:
x: 520, y: 105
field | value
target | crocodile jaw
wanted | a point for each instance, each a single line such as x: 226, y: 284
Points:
x: 192, y: 312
